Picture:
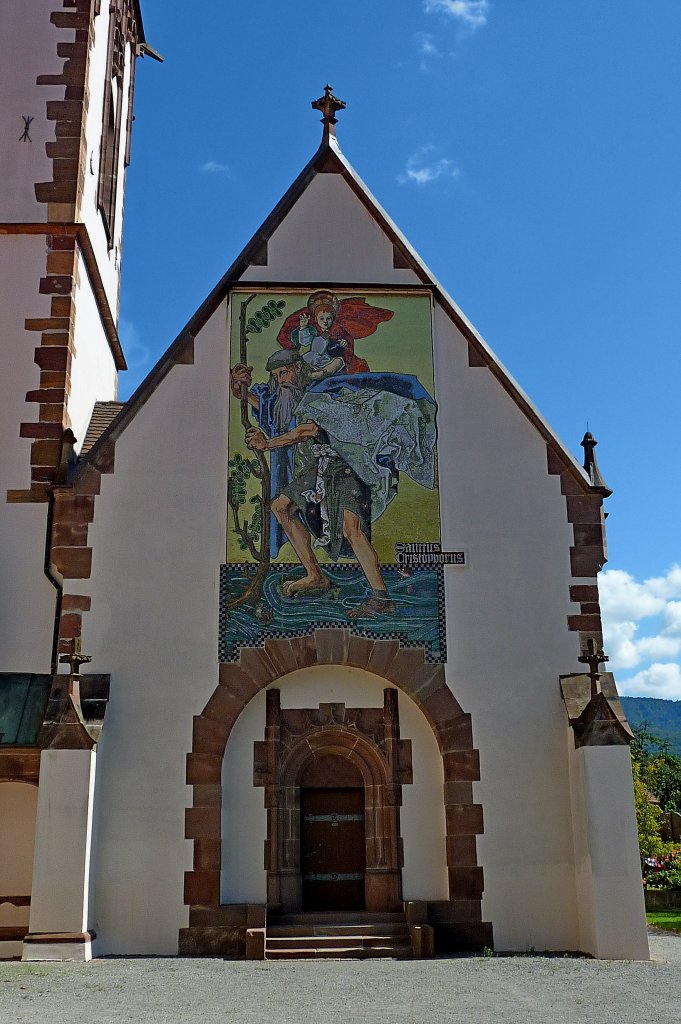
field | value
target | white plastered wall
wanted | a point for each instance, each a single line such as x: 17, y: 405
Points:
x: 507, y: 644
x: 61, y: 891
x: 158, y: 539
x: 244, y: 819
x: 608, y: 867
x: 28, y: 48
x: 330, y: 236
x: 18, y: 802
x: 93, y: 371
x: 22, y: 264
x: 27, y: 599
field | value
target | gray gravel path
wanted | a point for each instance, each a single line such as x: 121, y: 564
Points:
x: 499, y: 990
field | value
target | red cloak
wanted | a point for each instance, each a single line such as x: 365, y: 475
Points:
x: 355, y: 319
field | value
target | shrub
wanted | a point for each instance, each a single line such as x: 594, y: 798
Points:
x: 663, y: 872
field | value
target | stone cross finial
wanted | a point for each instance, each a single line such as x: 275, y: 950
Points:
x: 329, y: 105
x: 74, y: 658
x: 593, y: 658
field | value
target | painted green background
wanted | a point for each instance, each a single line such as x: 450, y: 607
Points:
x: 402, y: 345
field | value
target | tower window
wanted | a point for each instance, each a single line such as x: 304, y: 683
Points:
x: 109, y: 160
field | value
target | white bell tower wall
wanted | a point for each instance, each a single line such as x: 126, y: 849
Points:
x: 65, y: 125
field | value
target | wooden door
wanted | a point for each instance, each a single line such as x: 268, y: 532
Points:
x: 332, y: 848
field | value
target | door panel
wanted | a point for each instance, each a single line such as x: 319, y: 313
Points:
x: 332, y: 848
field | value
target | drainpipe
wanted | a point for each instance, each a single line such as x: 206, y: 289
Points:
x: 57, y: 586
x: 67, y: 459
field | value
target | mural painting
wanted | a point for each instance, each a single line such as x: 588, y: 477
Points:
x: 332, y: 468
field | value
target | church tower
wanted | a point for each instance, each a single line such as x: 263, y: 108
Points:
x: 66, y: 120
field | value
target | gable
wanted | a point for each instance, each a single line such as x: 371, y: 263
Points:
x: 357, y: 244
x: 328, y: 235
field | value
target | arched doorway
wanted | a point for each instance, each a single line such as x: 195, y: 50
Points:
x: 332, y: 834
x: 311, y: 759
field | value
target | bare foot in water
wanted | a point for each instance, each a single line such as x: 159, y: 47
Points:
x: 371, y: 607
x: 307, y: 585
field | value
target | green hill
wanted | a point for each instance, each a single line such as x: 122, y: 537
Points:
x: 663, y: 717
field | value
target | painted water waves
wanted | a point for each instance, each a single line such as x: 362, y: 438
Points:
x: 332, y: 464
x: 416, y: 621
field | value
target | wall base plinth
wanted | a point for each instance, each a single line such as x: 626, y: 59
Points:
x: 11, y: 949
x: 58, y: 946
x: 221, y: 931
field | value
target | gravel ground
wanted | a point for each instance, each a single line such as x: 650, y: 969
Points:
x: 477, y: 990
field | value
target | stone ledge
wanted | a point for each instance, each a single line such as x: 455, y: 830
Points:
x: 215, y: 941
x: 463, y: 937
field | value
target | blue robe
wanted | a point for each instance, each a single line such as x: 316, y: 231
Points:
x: 381, y: 438
x: 380, y: 424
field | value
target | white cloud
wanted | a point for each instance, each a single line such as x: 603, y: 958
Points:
x: 655, y: 647
x: 213, y: 167
x: 426, y: 45
x: 618, y: 638
x: 672, y: 618
x: 137, y: 354
x: 658, y: 680
x: 623, y: 598
x: 425, y: 166
x: 625, y: 604
x: 668, y: 585
x: 471, y: 13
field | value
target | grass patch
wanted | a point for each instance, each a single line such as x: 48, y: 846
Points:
x: 670, y: 920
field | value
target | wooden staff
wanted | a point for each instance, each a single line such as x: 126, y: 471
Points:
x: 253, y: 591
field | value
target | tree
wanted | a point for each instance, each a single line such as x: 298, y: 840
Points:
x: 649, y: 817
x: 657, y: 790
x: 660, y: 770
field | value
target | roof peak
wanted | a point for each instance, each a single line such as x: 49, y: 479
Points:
x: 327, y: 160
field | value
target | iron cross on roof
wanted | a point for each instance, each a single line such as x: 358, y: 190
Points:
x: 328, y: 105
x: 593, y: 658
x: 74, y: 658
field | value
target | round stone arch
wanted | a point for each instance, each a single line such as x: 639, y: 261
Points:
x: 406, y: 668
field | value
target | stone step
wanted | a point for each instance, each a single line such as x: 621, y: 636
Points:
x: 331, y: 941
x: 312, y: 928
x: 340, y: 952
x: 337, y: 934
x: 338, y: 917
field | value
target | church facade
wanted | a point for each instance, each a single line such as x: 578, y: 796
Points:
x: 300, y: 647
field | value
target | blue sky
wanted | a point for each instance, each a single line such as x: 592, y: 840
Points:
x: 531, y: 153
